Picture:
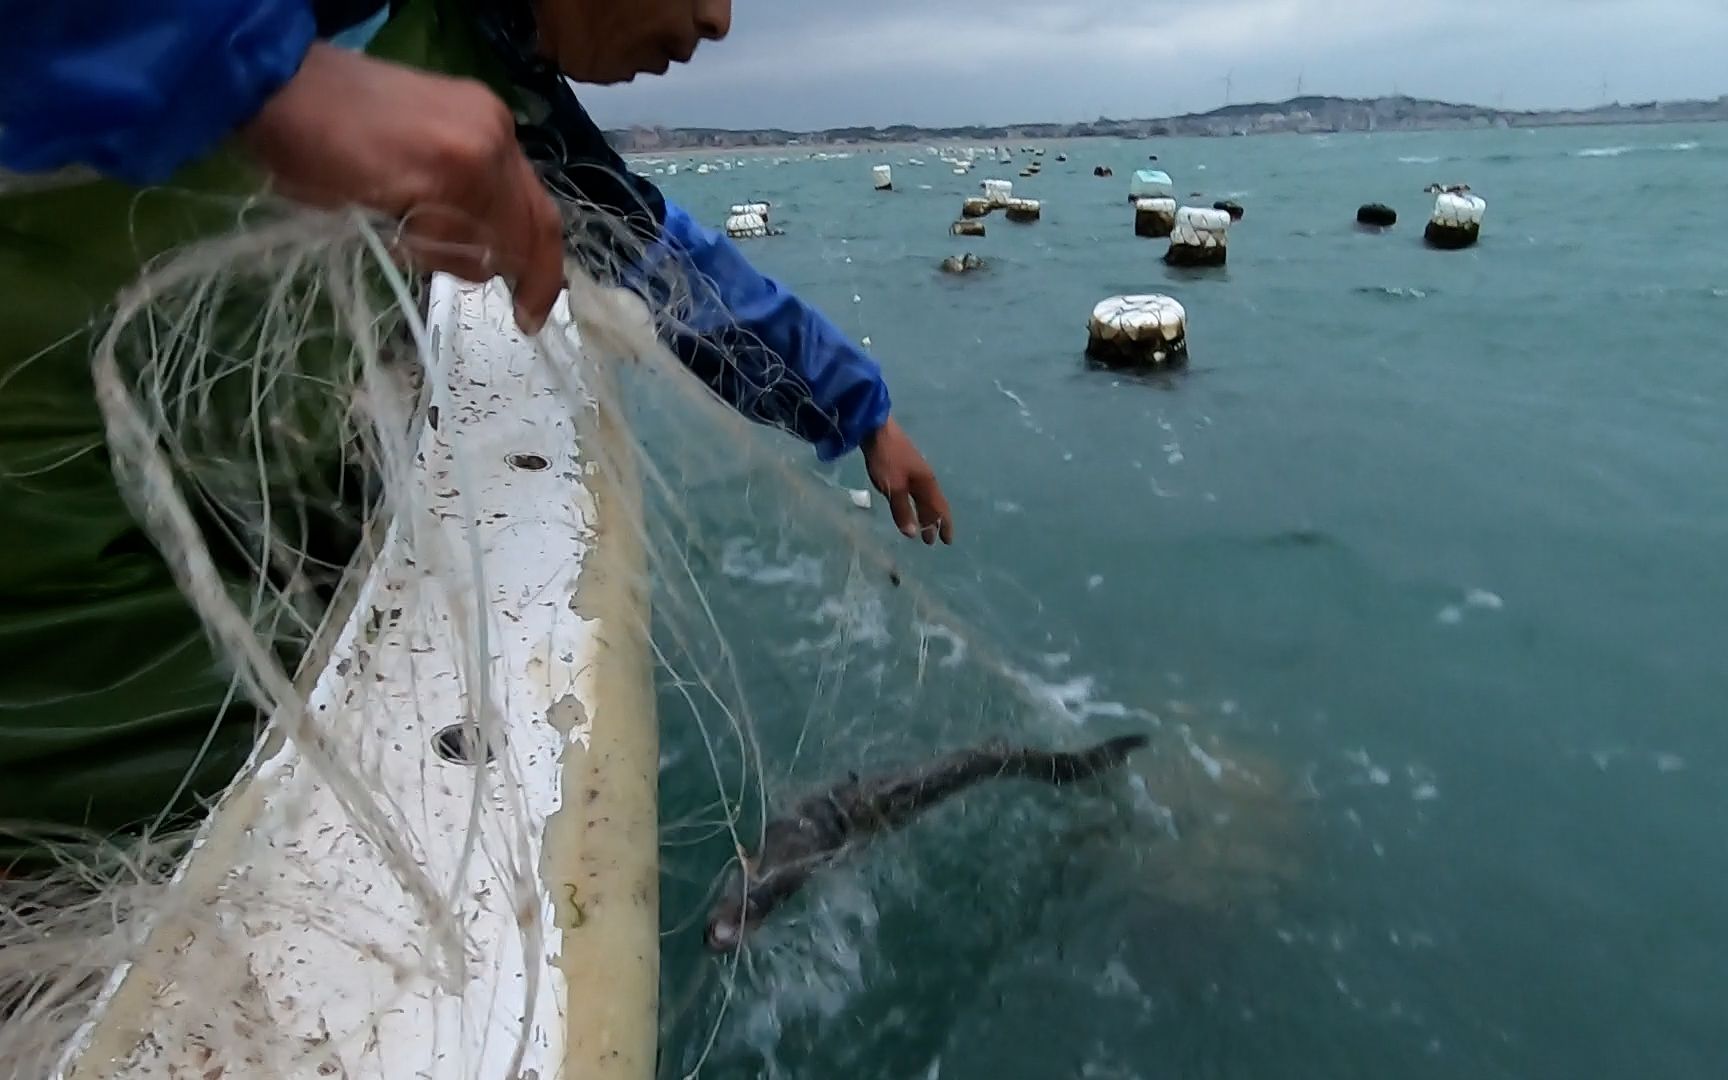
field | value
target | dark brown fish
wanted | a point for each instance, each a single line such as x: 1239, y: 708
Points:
x: 820, y: 828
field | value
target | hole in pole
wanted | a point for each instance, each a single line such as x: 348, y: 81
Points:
x: 528, y: 462
x: 461, y: 744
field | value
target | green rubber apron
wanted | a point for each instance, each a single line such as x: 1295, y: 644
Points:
x: 111, y: 699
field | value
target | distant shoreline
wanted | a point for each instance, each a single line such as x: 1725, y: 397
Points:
x: 1297, y: 116
x: 917, y: 147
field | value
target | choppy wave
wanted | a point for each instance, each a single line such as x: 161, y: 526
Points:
x: 1392, y: 292
x: 1617, y: 151
x: 1418, y: 160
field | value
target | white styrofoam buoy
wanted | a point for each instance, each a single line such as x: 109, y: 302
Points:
x: 1024, y: 210
x: 758, y: 208
x: 744, y: 226
x: 672, y: 169
x: 1149, y: 330
x: 883, y: 177
x: 1197, y: 239
x: 1154, y: 217
x: 703, y: 169
x: 976, y: 206
x: 998, y: 192
x: 1150, y: 184
x: 1456, y: 221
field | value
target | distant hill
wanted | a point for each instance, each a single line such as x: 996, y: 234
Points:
x: 1311, y: 114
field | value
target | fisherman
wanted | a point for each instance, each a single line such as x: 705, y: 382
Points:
x: 450, y: 115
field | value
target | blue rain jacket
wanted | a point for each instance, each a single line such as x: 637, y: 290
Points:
x: 135, y: 90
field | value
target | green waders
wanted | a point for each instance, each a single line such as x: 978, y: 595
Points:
x: 111, y: 699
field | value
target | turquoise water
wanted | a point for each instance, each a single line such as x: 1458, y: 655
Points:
x: 1425, y: 557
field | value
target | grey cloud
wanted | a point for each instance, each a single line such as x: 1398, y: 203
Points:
x: 802, y: 64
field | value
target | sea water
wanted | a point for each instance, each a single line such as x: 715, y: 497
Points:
x: 1419, y: 572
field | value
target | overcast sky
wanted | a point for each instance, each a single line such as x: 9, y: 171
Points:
x: 827, y: 63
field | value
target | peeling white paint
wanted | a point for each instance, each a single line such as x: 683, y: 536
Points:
x: 330, y: 955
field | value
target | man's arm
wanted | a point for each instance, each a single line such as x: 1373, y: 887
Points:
x: 780, y: 361
x: 787, y: 361
x: 134, y: 90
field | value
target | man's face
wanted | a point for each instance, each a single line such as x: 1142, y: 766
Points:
x: 613, y: 41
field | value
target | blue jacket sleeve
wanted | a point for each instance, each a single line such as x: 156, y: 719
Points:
x: 134, y: 89
x: 770, y: 355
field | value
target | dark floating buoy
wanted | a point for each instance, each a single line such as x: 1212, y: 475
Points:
x: 967, y: 227
x: 1234, y: 209
x: 1103, y: 170
x: 1061, y: 157
x: 1377, y: 215
x: 962, y: 264
x: 1151, y: 157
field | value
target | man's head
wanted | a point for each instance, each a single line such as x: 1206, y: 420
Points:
x: 612, y: 41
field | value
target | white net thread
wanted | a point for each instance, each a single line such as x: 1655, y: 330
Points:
x: 266, y: 393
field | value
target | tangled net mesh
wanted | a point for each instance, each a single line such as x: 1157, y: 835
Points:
x: 267, y: 395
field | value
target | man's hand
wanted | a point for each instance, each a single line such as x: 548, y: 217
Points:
x: 906, y: 480
x: 438, y: 153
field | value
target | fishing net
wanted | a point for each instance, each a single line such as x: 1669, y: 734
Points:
x: 280, y: 416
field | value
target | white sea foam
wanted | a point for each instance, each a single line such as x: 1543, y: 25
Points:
x: 956, y: 644
x: 741, y: 560
x: 1482, y: 598
x: 1073, y: 699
